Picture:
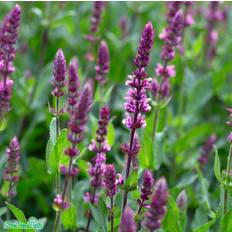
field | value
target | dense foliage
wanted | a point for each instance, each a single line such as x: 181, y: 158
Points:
x: 113, y: 115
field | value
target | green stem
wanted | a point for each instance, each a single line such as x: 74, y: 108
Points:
x: 155, y: 122
x: 112, y: 214
x: 57, y: 224
x: 57, y: 135
x: 227, y: 179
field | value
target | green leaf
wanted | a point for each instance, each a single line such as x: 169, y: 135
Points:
x: 131, y: 182
x: 68, y: 218
x: 99, y: 214
x: 171, y: 221
x: 55, y: 153
x: 3, y: 123
x: 205, y: 227
x: 226, y: 224
x: 52, y: 131
x: 18, y: 214
x: 110, y: 134
x: 5, y: 188
x: 2, y: 211
x: 217, y: 167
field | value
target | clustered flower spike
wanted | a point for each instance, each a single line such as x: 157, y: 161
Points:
x: 9, y: 30
x: 100, y: 147
x: 157, y: 209
x: 172, y: 38
x: 11, y: 172
x: 110, y: 181
x: 137, y: 102
x: 127, y: 222
x: 214, y: 15
x: 147, y: 186
x: 146, y: 42
x: 78, y: 118
x: 206, y: 149
x: 73, y: 86
x: 95, y: 20
x: 102, y: 67
x: 174, y: 6
x: 59, y: 72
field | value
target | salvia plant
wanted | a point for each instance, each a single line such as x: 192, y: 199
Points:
x: 127, y: 148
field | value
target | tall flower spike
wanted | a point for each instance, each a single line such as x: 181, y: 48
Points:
x: 146, y: 42
x: 229, y: 137
x: 59, y: 72
x: 137, y: 102
x: 8, y: 36
x: 157, y: 209
x: 79, y: 118
x: 76, y: 126
x: 11, y: 172
x: 127, y: 222
x: 95, y: 20
x: 214, y: 15
x: 73, y: 86
x: 102, y: 67
x: 110, y: 180
x: 148, y: 182
x: 100, y: 147
x: 136, y: 99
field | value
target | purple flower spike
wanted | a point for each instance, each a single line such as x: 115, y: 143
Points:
x: 11, y: 172
x: 157, y: 210
x: 148, y: 182
x: 102, y: 67
x: 146, y: 42
x: 137, y: 101
x: 100, y: 145
x: 96, y: 15
x: 110, y: 180
x: 73, y: 86
x: 95, y: 20
x: 79, y: 118
x: 5, y: 95
x: 172, y: 36
x: 8, y: 37
x: 59, y: 73
x: 127, y: 222
x: 206, y: 149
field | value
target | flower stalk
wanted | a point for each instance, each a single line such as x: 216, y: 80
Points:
x: 137, y: 101
x: 172, y: 38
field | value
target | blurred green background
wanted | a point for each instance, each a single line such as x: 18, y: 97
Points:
x: 201, y: 91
